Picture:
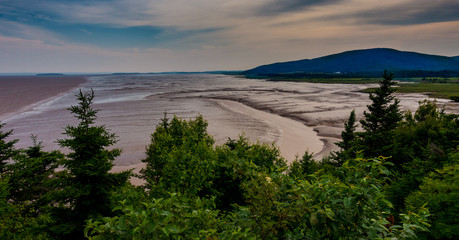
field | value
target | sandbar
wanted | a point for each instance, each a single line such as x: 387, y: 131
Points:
x: 294, y: 139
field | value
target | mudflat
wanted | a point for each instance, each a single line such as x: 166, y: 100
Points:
x: 19, y: 93
x: 297, y: 117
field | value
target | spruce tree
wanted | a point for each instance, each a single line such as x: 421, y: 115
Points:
x: 88, y: 164
x: 31, y: 173
x: 6, y: 148
x: 348, y: 137
x: 382, y: 117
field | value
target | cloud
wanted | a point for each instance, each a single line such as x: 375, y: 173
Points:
x: 86, y: 31
x: 276, y: 7
x: 28, y: 32
x: 163, y: 35
x: 110, y: 12
x: 408, y: 13
x: 109, y: 24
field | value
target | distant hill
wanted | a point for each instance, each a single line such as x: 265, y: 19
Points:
x: 49, y: 74
x: 364, y: 62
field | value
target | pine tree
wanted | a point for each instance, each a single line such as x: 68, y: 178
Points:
x: 383, y: 116
x: 6, y: 148
x: 88, y: 164
x: 31, y: 173
x: 348, y: 137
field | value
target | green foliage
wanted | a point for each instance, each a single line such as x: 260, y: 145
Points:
x: 237, y: 161
x: 4, y: 193
x: 87, y: 187
x: 267, y: 203
x: 301, y: 169
x: 422, y: 143
x: 173, y: 217
x: 6, y: 148
x: 384, y: 113
x: 277, y: 207
x: 24, y: 182
x: 348, y: 135
x: 348, y: 143
x: 180, y: 157
x: 435, y: 90
x: 440, y: 191
x: 173, y: 145
x: 383, y: 116
x: 326, y: 207
x: 428, y: 135
x: 31, y: 175
x: 419, y: 144
x: 265, y: 156
x: 17, y: 220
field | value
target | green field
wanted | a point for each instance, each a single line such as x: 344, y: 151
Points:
x: 330, y: 80
x: 359, y: 80
x: 436, y: 90
x: 430, y: 80
x: 436, y: 87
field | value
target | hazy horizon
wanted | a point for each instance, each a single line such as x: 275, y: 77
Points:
x: 106, y: 36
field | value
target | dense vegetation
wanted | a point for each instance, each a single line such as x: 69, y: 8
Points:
x: 395, y: 180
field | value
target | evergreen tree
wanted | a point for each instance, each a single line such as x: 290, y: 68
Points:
x: 29, y: 178
x: 6, y: 148
x: 32, y: 173
x: 383, y: 116
x: 348, y: 137
x: 88, y: 164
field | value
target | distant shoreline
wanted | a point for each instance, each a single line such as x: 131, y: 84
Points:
x: 21, y: 93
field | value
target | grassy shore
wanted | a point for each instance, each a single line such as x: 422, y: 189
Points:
x: 434, y: 87
x: 436, y: 90
x: 330, y: 80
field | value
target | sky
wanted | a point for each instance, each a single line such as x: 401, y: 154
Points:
x: 94, y: 36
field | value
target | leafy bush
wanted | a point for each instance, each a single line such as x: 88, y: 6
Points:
x: 440, y: 191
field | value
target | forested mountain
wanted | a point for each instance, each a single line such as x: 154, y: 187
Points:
x: 364, y: 62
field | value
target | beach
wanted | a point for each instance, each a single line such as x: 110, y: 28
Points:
x: 21, y: 93
x: 294, y: 137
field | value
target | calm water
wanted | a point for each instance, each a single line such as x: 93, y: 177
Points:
x: 132, y: 105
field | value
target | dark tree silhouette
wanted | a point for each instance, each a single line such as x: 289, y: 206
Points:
x: 382, y: 117
x: 348, y: 137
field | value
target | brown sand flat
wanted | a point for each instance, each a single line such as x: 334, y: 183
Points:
x: 17, y: 93
x: 295, y: 138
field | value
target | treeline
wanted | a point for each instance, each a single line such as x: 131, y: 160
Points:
x: 395, y: 180
x: 344, y: 75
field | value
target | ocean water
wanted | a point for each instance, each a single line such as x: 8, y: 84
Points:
x: 132, y: 105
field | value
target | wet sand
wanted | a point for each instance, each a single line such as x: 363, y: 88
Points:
x: 21, y: 93
x: 294, y: 137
